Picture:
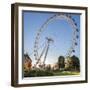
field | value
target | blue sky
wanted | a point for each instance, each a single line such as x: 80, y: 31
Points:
x: 59, y: 30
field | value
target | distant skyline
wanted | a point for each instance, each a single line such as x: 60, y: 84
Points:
x: 59, y: 30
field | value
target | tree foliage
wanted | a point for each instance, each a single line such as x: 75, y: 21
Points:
x: 61, y: 62
x: 75, y: 62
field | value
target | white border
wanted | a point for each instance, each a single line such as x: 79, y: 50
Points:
x: 82, y: 48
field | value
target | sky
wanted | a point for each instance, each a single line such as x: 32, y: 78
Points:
x: 59, y: 30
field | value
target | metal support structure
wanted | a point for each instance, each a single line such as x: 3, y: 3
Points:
x: 49, y: 40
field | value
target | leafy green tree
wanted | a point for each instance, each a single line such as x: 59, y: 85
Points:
x: 72, y: 63
x: 76, y: 63
x: 61, y: 62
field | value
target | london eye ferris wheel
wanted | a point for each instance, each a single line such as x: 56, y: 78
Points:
x: 57, y: 34
x: 44, y: 53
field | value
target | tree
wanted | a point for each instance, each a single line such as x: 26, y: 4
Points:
x: 68, y: 63
x: 27, y: 62
x: 61, y: 62
x: 72, y: 63
x: 76, y: 63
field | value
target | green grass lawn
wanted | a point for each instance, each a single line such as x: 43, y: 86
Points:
x: 63, y: 73
x: 35, y: 73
